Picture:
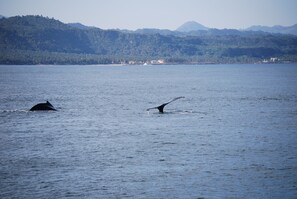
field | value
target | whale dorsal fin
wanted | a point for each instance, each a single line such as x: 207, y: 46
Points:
x: 49, y: 104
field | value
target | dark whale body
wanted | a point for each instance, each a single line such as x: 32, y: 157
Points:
x: 43, y: 107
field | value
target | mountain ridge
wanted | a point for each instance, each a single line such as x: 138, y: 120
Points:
x: 193, y: 26
x: 275, y: 29
x: 43, y: 40
x: 79, y: 26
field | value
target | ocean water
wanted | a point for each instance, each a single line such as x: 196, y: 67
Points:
x: 234, y: 135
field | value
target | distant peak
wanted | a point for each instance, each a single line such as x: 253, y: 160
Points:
x: 191, y: 26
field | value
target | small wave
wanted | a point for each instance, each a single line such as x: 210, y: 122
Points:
x: 14, y: 111
x: 271, y: 98
x: 168, y: 143
x: 293, y: 112
x: 20, y: 111
x: 182, y: 112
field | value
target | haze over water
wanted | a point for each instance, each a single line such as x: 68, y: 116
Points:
x: 232, y: 136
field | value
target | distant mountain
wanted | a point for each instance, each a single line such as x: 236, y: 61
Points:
x: 275, y: 29
x: 195, y: 29
x: 43, y: 40
x: 1, y: 16
x: 191, y: 26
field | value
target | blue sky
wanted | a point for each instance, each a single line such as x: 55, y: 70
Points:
x: 165, y: 14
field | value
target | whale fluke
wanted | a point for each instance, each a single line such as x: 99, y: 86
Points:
x: 161, y: 107
x: 43, y: 107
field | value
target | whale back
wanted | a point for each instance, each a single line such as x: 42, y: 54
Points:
x: 43, y: 107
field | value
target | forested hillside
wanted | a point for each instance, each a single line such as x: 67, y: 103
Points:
x: 41, y: 40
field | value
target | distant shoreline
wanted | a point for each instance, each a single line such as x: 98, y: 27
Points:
x: 169, y: 64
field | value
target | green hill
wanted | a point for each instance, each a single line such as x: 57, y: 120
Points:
x: 41, y: 40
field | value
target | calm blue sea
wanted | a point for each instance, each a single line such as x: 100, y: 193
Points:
x: 234, y: 135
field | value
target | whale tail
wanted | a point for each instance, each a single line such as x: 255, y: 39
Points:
x: 161, y: 107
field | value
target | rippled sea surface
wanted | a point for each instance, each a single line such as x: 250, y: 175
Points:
x: 234, y: 135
